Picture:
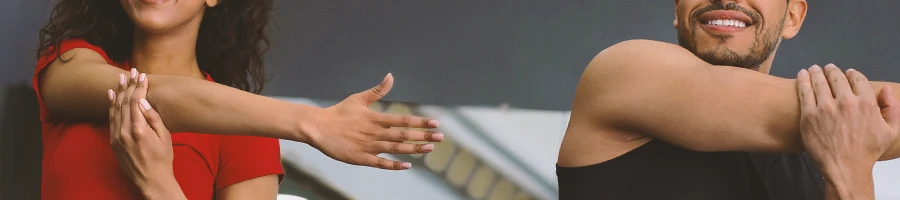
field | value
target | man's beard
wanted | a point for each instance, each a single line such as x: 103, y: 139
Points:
x: 763, y: 46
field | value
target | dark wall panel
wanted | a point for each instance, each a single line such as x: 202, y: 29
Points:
x: 526, y: 53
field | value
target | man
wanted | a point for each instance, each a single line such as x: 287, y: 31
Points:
x: 653, y: 120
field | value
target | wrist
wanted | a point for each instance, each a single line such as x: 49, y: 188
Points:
x: 306, y: 123
x: 846, y: 181
x: 164, y: 186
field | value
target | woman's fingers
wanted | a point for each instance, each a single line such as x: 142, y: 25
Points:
x: 126, y: 106
x: 405, y: 134
x: 113, y: 116
x: 409, y: 121
x: 377, y: 92
x: 383, y: 163
x: 403, y: 148
x: 139, y: 126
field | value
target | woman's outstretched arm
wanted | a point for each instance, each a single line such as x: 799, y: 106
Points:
x: 348, y: 131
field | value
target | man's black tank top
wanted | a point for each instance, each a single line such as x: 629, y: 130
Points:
x: 657, y: 170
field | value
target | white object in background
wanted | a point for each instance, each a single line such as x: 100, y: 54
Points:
x: 289, y: 197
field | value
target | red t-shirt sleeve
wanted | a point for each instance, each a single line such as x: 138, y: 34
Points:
x: 49, y: 56
x: 246, y: 157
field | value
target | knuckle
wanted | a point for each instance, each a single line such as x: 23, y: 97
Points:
x: 429, y: 135
x: 379, y: 162
x: 418, y: 148
x: 825, y: 108
x: 121, y: 140
x: 395, y: 147
x: 138, y: 132
x: 134, y: 100
x: 406, y: 119
x: 807, y: 90
x: 395, y: 165
x: 847, y: 103
x: 404, y: 134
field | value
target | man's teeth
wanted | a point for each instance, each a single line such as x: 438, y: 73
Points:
x: 727, y: 22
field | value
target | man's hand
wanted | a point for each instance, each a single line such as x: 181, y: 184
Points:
x: 843, y: 128
x: 352, y: 133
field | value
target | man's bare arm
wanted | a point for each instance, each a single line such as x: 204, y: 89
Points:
x: 663, y: 91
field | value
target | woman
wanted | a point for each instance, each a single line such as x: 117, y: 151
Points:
x: 183, y: 46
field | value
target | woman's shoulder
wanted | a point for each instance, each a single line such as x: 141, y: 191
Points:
x: 52, y: 53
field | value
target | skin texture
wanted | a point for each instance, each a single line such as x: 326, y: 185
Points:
x: 141, y: 142
x: 641, y: 90
x: 844, y: 128
x: 164, y: 38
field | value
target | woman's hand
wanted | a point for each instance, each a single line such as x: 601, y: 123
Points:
x: 140, y: 140
x: 844, y: 129
x: 352, y: 133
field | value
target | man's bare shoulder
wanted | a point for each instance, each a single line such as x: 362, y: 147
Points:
x: 639, y: 53
x: 632, y: 62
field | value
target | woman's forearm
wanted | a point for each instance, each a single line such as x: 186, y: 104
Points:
x: 195, y: 105
x: 166, y: 188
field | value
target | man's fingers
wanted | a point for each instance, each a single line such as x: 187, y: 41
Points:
x: 394, y: 120
x: 805, y: 90
x: 838, y: 81
x: 820, y: 85
x: 403, y: 148
x: 860, y: 84
x: 377, y: 92
x: 155, y: 121
x: 406, y: 134
x: 382, y: 163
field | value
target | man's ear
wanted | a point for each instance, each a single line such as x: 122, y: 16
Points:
x: 212, y: 3
x: 793, y: 19
x: 675, y: 22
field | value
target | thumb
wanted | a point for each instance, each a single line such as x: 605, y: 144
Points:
x: 155, y: 121
x: 890, y: 108
x: 377, y: 92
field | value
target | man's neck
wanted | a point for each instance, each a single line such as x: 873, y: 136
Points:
x: 172, y: 53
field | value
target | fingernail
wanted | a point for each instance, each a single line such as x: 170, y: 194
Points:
x: 133, y: 72
x: 433, y: 123
x: 437, y: 136
x: 815, y: 68
x: 406, y: 165
x: 143, y: 77
x: 428, y: 147
x: 112, y: 95
x: 803, y: 72
x: 851, y: 69
x: 121, y: 79
x: 145, y: 105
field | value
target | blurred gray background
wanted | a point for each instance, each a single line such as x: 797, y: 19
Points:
x: 524, y: 53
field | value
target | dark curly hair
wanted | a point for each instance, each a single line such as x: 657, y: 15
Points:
x: 230, y: 45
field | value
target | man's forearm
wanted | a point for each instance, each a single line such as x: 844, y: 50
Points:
x: 195, y: 105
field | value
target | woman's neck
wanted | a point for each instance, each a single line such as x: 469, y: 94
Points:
x: 173, y: 53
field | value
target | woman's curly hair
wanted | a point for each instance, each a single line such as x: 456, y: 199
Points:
x: 230, y: 45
